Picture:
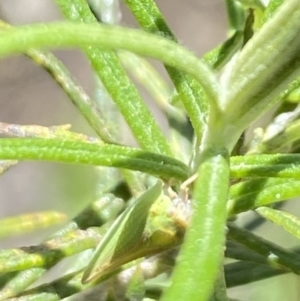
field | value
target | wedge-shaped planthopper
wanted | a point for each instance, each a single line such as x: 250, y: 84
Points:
x: 121, y: 242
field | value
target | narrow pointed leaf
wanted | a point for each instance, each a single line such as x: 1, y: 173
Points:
x: 238, y: 251
x: 78, y: 96
x: 66, y: 34
x: 281, y: 141
x: 279, y: 165
x: 153, y: 81
x: 288, y: 221
x: 109, y: 69
x: 83, y: 102
x: 98, y: 213
x: 252, y: 272
x: 22, y: 280
x: 57, y: 290
x: 271, y: 8
x: 48, y: 253
x: 30, y: 222
x: 277, y: 255
x: 221, y: 55
x: 251, y: 194
x: 264, y: 68
x: 78, y: 152
x: 189, y: 91
x: 37, y: 131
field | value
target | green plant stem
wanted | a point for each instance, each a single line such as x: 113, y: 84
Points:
x: 202, y: 251
x: 78, y: 152
x: 63, y: 34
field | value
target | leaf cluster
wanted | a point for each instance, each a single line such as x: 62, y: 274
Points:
x: 168, y: 227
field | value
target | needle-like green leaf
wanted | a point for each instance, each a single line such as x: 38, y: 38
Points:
x: 288, y: 221
x: 189, y: 91
x: 251, y: 194
x: 277, y: 255
x: 251, y: 272
x: 79, y: 152
x: 103, y: 210
x: 109, y: 69
x: 263, y: 69
x: 279, y: 165
x: 78, y: 96
x: 30, y: 222
x: 66, y: 34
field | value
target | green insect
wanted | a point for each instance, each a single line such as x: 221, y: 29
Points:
x: 122, y: 241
